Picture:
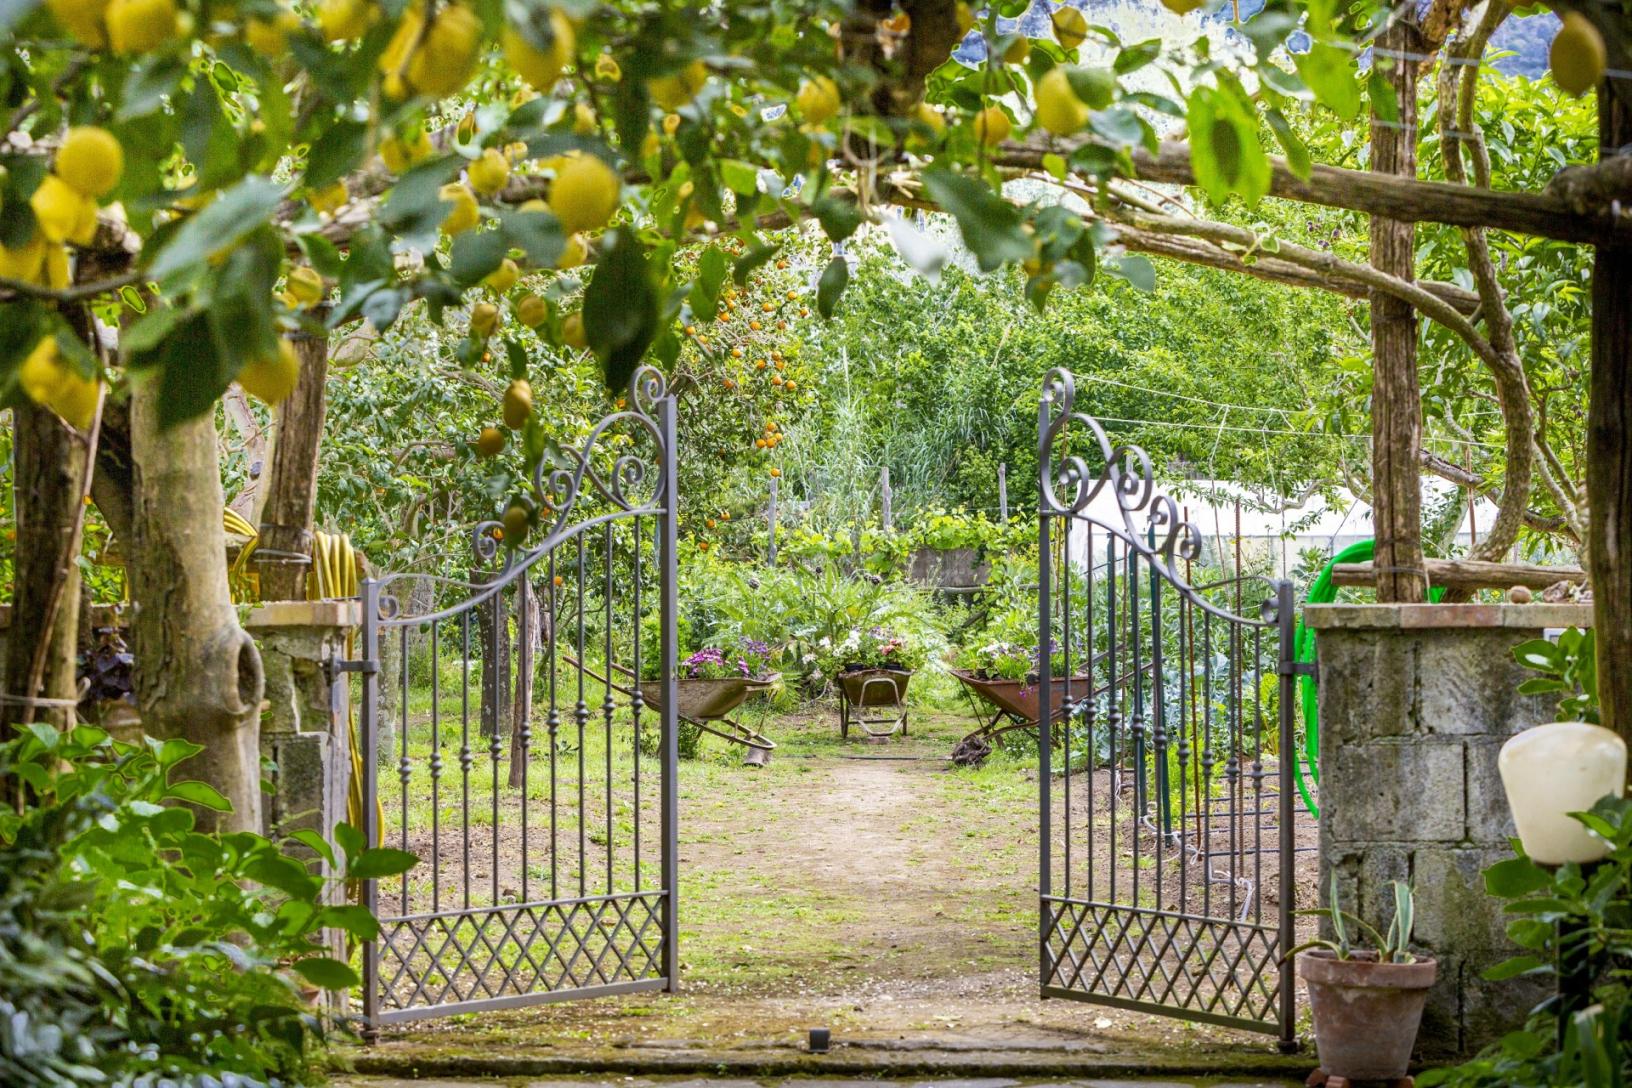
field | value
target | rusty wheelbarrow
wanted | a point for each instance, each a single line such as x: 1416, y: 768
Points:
x: 873, y: 697
x: 1012, y: 704
x: 704, y: 704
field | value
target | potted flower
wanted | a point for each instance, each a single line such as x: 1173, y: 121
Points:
x: 1366, y: 1002
x: 871, y: 665
x: 1550, y: 771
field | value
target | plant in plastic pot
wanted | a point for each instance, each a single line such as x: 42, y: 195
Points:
x: 1550, y: 771
x: 1367, y: 1002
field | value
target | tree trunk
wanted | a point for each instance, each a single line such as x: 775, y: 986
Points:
x: 1609, y: 452
x: 198, y: 674
x: 493, y: 635
x: 1396, y: 399
x: 49, y: 475
x: 291, y: 484
x: 521, y: 710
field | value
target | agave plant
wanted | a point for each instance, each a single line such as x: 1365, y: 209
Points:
x: 1391, y: 947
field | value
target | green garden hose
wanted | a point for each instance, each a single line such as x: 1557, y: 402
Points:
x: 1322, y: 591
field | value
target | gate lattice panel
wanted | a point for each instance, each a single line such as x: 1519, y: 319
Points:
x: 547, y: 838
x: 1167, y: 823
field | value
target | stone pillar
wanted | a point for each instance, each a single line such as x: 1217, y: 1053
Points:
x: 305, y: 724
x: 1415, y: 702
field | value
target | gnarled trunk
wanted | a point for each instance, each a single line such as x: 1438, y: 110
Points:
x: 291, y: 484
x: 1396, y: 397
x: 198, y: 674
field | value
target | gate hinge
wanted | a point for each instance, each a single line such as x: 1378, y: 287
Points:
x: 1301, y: 668
x: 336, y: 665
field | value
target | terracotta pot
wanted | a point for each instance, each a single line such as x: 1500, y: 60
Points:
x: 1366, y: 1013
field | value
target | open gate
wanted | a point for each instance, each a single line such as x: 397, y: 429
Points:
x: 547, y: 856
x: 1166, y: 789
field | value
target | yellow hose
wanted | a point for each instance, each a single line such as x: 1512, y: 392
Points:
x: 333, y: 576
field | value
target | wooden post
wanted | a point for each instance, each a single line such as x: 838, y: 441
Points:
x: 1003, y: 493
x: 1396, y: 402
x: 291, y: 484
x: 1609, y: 450
x: 770, y: 547
x: 884, y: 496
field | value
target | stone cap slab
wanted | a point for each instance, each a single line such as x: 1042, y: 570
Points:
x: 1418, y: 617
x: 347, y: 613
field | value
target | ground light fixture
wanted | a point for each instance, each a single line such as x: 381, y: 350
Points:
x: 1552, y: 770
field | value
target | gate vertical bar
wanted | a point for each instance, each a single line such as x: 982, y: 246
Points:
x: 670, y: 726
x: 366, y: 739
x: 1045, y: 701
x: 1285, y: 766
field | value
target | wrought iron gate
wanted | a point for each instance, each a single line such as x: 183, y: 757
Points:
x: 1167, y: 821
x: 547, y: 856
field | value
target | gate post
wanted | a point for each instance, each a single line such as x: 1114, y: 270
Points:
x: 668, y: 605
x: 369, y: 592
x: 1045, y: 701
x: 1285, y: 616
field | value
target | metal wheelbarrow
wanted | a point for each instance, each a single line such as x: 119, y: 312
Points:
x: 871, y: 698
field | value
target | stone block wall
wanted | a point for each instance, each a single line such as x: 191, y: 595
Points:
x: 1415, y: 703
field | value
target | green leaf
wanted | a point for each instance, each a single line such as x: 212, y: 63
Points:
x: 835, y: 278
x: 754, y: 258
x: 349, y: 839
x: 1385, y: 99
x: 222, y: 223
x: 621, y: 308
x: 1297, y: 152
x: 1330, y: 73
x: 380, y: 862
x: 284, y: 874
x: 314, y: 842
x: 1096, y: 87
x: 1515, y: 877
x: 712, y: 267
x: 839, y: 218
x: 1224, y: 149
x: 330, y: 974
x: 474, y: 254
x: 336, y: 153
x: 990, y: 225
x: 1136, y: 270
x: 536, y: 233
x: 353, y: 919
x: 201, y: 794
x: 740, y: 177
x: 1513, y: 968
x: 1136, y: 56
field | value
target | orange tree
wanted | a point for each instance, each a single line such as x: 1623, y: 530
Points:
x: 195, y: 189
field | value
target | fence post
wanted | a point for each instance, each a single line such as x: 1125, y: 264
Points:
x: 884, y: 495
x: 770, y: 548
x: 368, y: 788
x: 668, y: 609
x: 1003, y: 492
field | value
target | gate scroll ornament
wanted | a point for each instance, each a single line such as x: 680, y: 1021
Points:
x: 564, y: 886
x: 1167, y: 835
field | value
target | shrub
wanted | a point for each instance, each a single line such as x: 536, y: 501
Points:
x: 137, y: 950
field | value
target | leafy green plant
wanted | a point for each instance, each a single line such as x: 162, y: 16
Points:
x: 1570, y: 666
x: 136, y: 949
x: 1575, y: 914
x: 1392, y: 946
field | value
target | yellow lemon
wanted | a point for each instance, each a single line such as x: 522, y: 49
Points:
x: 490, y: 443
x: 90, y: 160
x: 573, y: 252
x: 532, y: 310
x: 584, y: 194
x: 56, y: 265
x: 992, y: 126
x: 484, y: 318
x: 583, y: 119
x: 1181, y: 7
x: 464, y: 212
x: 394, y: 57
x: 305, y: 286
x: 395, y: 154
x: 343, y: 20
x: 1058, y: 108
x: 82, y: 19
x: 1018, y: 50
x: 447, y: 54
x: 270, y: 37
x: 965, y: 17
x: 1070, y: 28
x: 504, y: 277
x: 48, y: 380
x: 273, y: 378
x: 818, y: 99
x: 329, y: 199
x: 141, y: 26
x: 672, y: 92
x: 1577, y: 56
x: 650, y: 145
x: 64, y: 214
x: 517, y: 404
x: 489, y: 173
x: 929, y: 117
x: 606, y: 67
x: 572, y: 332
x: 541, y: 67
